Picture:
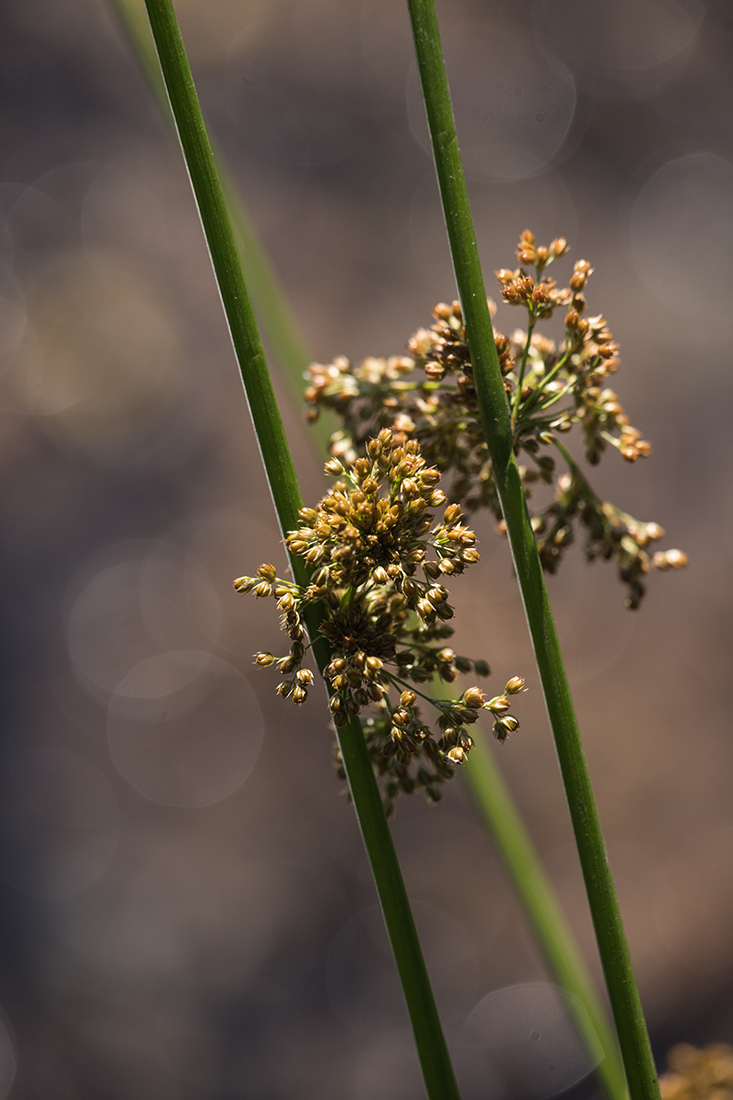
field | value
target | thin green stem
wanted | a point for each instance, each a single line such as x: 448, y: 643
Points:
x: 523, y: 367
x: 432, y: 1049
x: 542, y: 386
x: 496, y: 420
x: 540, y: 902
x: 271, y: 305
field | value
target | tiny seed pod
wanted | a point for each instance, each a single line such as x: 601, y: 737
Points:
x: 474, y: 698
x: 498, y: 705
x: 515, y: 685
x: 245, y: 584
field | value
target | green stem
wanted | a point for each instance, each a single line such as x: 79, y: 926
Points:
x: 271, y: 305
x: 534, y: 397
x: 612, y: 945
x: 523, y: 367
x: 550, y: 926
x: 432, y: 1049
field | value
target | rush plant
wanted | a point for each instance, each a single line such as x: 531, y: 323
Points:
x: 367, y: 597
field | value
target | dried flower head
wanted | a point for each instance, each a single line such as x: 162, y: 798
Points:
x: 378, y: 554
x: 551, y: 388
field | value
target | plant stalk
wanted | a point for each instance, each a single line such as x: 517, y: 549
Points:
x: 553, y: 933
x: 432, y: 1049
x: 491, y: 793
x: 610, y: 935
x: 271, y: 306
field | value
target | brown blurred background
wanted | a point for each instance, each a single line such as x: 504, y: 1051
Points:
x: 184, y: 903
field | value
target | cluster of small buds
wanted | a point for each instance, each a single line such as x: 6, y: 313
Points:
x: 705, y: 1074
x: 375, y: 526
x: 609, y: 533
x: 398, y: 738
x: 540, y: 299
x: 430, y: 397
x: 377, y: 555
x: 287, y: 595
x: 529, y: 252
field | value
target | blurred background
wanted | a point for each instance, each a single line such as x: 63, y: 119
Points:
x: 189, y: 914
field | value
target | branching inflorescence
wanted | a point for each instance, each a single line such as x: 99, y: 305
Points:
x: 551, y: 387
x: 377, y: 554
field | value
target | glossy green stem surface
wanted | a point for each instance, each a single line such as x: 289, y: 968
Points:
x: 540, y: 903
x: 432, y: 1048
x: 495, y: 416
x: 271, y: 306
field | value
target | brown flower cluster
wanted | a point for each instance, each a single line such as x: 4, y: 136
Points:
x: 551, y: 387
x: 705, y: 1074
x: 378, y: 554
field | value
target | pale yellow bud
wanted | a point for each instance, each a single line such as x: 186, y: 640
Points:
x: 515, y: 685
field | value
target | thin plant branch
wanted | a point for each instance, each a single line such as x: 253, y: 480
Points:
x: 271, y: 305
x: 540, y: 902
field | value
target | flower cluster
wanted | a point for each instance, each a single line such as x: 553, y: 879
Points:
x: 430, y: 396
x: 705, y: 1074
x: 378, y: 554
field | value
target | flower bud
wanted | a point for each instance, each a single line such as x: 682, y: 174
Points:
x: 304, y: 677
x: 669, y: 559
x: 474, y: 698
x: 498, y: 705
x: 407, y: 698
x: 244, y: 584
x: 504, y: 726
x: 515, y: 685
x: 437, y: 594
